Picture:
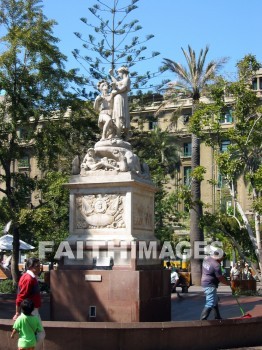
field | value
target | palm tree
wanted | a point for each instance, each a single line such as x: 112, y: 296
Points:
x: 193, y: 79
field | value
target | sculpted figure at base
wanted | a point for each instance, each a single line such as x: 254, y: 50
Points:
x: 120, y: 90
x: 103, y: 104
x: 91, y: 162
x: 116, y: 159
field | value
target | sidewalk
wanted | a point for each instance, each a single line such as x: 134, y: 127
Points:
x: 220, y: 334
x: 188, y: 307
x: 7, y: 306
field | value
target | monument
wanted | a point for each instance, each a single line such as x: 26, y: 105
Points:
x: 114, y: 273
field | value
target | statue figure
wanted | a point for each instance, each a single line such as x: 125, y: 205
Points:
x: 91, y: 162
x: 112, y: 155
x: 103, y: 104
x: 133, y: 162
x: 120, y: 90
x: 121, y: 160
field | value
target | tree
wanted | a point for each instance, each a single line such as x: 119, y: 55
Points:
x: 244, y: 154
x: 111, y: 44
x: 158, y: 150
x: 193, y: 79
x: 35, y: 87
x: 50, y: 222
x: 242, y: 158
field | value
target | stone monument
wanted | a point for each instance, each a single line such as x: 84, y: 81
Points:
x: 114, y: 272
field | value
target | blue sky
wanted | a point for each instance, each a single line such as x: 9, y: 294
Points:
x: 231, y: 28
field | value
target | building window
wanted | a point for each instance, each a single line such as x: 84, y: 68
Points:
x: 24, y: 162
x: 187, y: 149
x: 152, y: 125
x: 260, y: 83
x: 229, y: 207
x: 219, y: 181
x: 187, y: 175
x: 226, y: 117
x: 186, y: 118
x: 224, y: 145
x: 254, y: 84
x: 23, y: 134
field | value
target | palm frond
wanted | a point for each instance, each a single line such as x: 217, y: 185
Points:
x: 195, y: 75
x: 178, y: 69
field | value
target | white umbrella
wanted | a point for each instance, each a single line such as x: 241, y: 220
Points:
x: 7, y: 227
x: 6, y: 243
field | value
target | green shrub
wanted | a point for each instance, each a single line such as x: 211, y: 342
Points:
x: 7, y: 287
x: 44, y: 287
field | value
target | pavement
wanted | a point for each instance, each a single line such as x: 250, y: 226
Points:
x: 188, y: 306
x: 185, y: 307
x: 7, y: 306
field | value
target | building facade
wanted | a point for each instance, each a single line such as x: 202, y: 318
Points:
x: 174, y: 118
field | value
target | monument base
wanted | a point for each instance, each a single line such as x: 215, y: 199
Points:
x: 110, y: 295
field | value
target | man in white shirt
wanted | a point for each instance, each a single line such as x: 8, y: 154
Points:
x: 174, y: 280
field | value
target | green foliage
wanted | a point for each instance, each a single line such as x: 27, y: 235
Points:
x: 50, y: 220
x: 167, y: 215
x: 257, y: 181
x: 114, y: 43
x: 222, y: 227
x: 247, y: 67
x: 193, y: 79
x: 244, y: 153
x: 33, y: 109
x: 239, y: 291
x: 61, y: 139
x: 198, y: 173
x: 157, y: 148
x: 205, y: 122
x: 197, y: 73
x: 159, y: 151
x: 7, y: 287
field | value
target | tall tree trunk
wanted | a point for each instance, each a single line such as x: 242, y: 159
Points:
x: 15, y: 255
x: 196, y: 232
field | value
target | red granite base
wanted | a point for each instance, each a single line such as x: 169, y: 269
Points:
x: 115, y: 295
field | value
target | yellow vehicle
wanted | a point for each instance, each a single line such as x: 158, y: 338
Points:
x: 183, y: 269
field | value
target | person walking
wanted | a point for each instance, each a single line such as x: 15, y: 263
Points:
x: 246, y: 273
x: 235, y: 272
x: 211, y: 277
x: 28, y: 288
x: 27, y: 326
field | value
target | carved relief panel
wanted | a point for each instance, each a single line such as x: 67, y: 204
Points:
x: 143, y: 212
x: 96, y: 211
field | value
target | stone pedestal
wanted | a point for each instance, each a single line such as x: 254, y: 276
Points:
x: 110, y: 295
x: 114, y: 273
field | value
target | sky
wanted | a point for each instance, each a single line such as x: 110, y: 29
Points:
x: 231, y: 28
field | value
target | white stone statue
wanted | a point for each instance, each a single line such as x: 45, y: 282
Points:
x: 104, y: 104
x: 121, y: 116
x: 113, y: 159
x: 112, y: 155
x: 91, y: 162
